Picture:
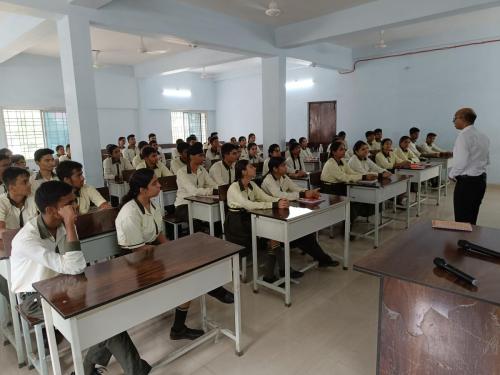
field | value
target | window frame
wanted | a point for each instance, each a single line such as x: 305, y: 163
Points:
x: 205, y: 113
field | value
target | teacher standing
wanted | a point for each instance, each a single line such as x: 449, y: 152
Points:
x: 470, y: 158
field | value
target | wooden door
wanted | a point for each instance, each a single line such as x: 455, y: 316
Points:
x: 322, y: 122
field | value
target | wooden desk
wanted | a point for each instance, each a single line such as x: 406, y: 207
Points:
x: 287, y: 225
x: 446, y: 162
x: 89, y: 308
x: 422, y: 175
x: 430, y: 323
x: 205, y: 209
x: 379, y: 192
x: 312, y: 165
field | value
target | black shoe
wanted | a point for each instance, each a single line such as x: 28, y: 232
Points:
x: 223, y: 295
x: 96, y: 371
x: 294, y: 274
x: 328, y: 263
x: 186, y: 333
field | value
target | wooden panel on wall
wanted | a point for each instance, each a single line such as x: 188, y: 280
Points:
x: 322, y: 122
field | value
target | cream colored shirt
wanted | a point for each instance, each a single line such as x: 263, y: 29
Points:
x: 136, y: 160
x: 413, y: 148
x: 176, y: 164
x: 15, y: 217
x: 222, y: 174
x: 209, y: 155
x: 112, y: 170
x: 244, y: 153
x: 190, y: 184
x: 283, y: 187
x: 430, y: 149
x: 88, y: 194
x: 295, y: 165
x: 130, y: 153
x: 36, y: 180
x: 334, y: 172
x: 252, y: 198
x: 306, y: 153
x: 136, y: 225
x: 265, y: 166
x: 407, y: 155
x: 364, y: 166
x: 375, y: 146
x: 37, y: 255
x: 387, y: 162
x: 63, y: 158
x: 161, y: 169
x: 254, y: 159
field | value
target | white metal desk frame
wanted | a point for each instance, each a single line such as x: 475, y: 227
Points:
x: 118, y: 189
x: 99, y: 324
x: 376, y: 195
x: 204, y: 212
x: 446, y: 164
x: 287, y: 231
x: 422, y: 175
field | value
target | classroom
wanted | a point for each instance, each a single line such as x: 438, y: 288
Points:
x: 204, y: 187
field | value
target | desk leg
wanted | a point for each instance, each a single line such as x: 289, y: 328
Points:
x: 439, y: 186
x: 211, y: 222
x: 347, y: 236
x: 203, y: 308
x: 190, y: 213
x: 76, y: 349
x: 51, y: 336
x: 255, y: 266
x: 237, y: 303
x: 419, y: 195
x: 21, y: 358
x: 376, y: 229
x: 408, y: 192
x: 288, y: 299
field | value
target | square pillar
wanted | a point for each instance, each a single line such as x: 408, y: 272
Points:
x: 274, y: 101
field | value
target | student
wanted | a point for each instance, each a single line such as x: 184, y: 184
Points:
x: 272, y: 152
x: 404, y: 153
x: 60, y: 151
x: 213, y: 151
x: 181, y: 161
x: 429, y: 147
x: 223, y: 171
x: 67, y: 155
x: 361, y: 163
x: 115, y: 164
x: 131, y: 151
x: 414, y: 133
x: 370, y: 140
x: 253, y: 155
x: 243, y: 148
x: 4, y: 164
x: 277, y: 184
x: 161, y: 155
x: 191, y: 140
x: 253, y: 139
x: 175, y: 154
x: 121, y: 143
x: 18, y: 205
x: 243, y: 195
x: 5, y: 151
x: 295, y: 163
x: 378, y: 136
x: 45, y: 160
x: 71, y: 173
x: 206, y: 145
x: 387, y: 159
x: 138, y: 158
x: 48, y: 245
x: 305, y: 152
x: 291, y: 142
x: 234, y: 141
x: 19, y: 161
x: 150, y: 160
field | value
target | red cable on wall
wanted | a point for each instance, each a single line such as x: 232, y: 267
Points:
x: 418, y: 52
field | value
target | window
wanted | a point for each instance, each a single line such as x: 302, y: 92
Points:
x: 29, y: 130
x: 186, y: 123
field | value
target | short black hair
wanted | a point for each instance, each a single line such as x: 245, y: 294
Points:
x: 431, y: 135
x: 341, y: 133
x: 120, y: 138
x: 12, y: 173
x: 385, y: 140
x: 179, y: 140
x: 227, y: 148
x: 50, y: 192
x: 211, y: 139
x: 130, y: 136
x: 148, y: 150
x: 403, y: 138
x: 414, y: 130
x: 58, y: 147
x: 182, y: 146
x: 292, y: 140
x: 4, y: 157
x: 241, y: 165
x: 241, y: 139
x: 152, y: 142
x: 369, y: 133
x: 142, y: 144
x: 110, y: 148
x: 302, y: 139
x: 271, y: 148
x: 251, y: 135
x: 275, y: 162
x: 191, y: 138
x: 151, y: 135
x: 40, y: 153
x: 66, y: 168
x: 5, y: 150
x: 377, y: 131
x: 250, y: 145
x: 358, y: 145
x: 17, y: 158
x: 68, y: 146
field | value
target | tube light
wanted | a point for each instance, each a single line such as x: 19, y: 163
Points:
x: 167, y: 73
x: 176, y: 93
x: 302, y: 84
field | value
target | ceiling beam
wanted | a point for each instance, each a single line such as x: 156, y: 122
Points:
x: 375, y: 15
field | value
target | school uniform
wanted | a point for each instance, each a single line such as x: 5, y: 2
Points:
x: 364, y: 166
x: 160, y: 170
x: 254, y: 159
x: 222, y: 173
x: 36, y: 180
x: 113, y: 169
x: 161, y: 155
x: 136, y: 160
x: 86, y: 195
x: 244, y: 153
x: 36, y: 256
x: 64, y: 158
x: 130, y: 153
x: 387, y: 161
x: 15, y: 217
x: 425, y: 148
x: 306, y: 153
x: 407, y: 155
x: 413, y: 148
x: 176, y: 164
x: 3, y: 189
x: 375, y: 146
x: 295, y: 164
x: 265, y: 166
x: 212, y: 155
x: 137, y: 226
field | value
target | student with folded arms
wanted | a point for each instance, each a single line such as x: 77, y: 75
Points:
x: 404, y: 152
x: 361, y: 163
x: 115, y: 164
x: 295, y: 163
x: 387, y: 159
x: 223, y: 172
x: 273, y: 152
x: 180, y: 162
x: 277, y: 184
x: 150, y: 159
x: 48, y: 245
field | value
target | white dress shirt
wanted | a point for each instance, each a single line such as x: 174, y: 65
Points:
x: 430, y: 149
x: 85, y: 196
x: 176, y: 164
x: 13, y: 216
x: 366, y: 166
x: 413, y: 148
x: 471, y: 153
x: 112, y: 169
x: 252, y: 198
x: 160, y: 170
x: 283, y: 187
x: 306, y: 153
x: 223, y: 174
x: 295, y: 164
x: 191, y: 184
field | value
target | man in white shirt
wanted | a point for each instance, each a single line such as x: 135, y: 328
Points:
x: 47, y: 246
x: 131, y: 151
x: 414, y: 133
x: 115, y: 164
x: 181, y: 161
x: 470, y: 159
x: 150, y: 160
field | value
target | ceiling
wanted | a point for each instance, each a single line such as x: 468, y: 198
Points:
x: 116, y: 47
x: 292, y: 10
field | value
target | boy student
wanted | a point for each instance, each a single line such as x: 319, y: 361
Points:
x: 4, y: 164
x: 372, y: 144
x: 213, y: 152
x: 161, y: 156
x: 48, y: 245
x: 278, y: 184
x: 121, y: 143
x: 206, y: 145
x: 67, y: 155
x: 414, y: 133
x: 429, y: 147
x: 253, y: 155
x: 45, y: 160
x: 115, y: 164
x: 243, y: 148
x: 71, y: 173
x: 181, y: 161
x: 305, y: 151
x: 131, y: 151
x: 223, y: 171
x: 137, y: 158
x: 60, y: 151
x: 150, y: 160
x: 253, y: 139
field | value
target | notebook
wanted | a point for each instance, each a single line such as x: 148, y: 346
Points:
x: 451, y: 225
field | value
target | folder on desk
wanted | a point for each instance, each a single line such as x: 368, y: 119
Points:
x: 451, y: 225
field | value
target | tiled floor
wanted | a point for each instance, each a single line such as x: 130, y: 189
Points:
x: 331, y: 327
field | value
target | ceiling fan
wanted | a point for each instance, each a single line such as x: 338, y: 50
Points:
x: 273, y: 10
x: 381, y: 42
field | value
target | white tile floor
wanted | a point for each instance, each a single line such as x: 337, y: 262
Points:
x: 331, y: 327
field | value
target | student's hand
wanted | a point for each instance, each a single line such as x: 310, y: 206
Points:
x: 386, y: 174
x: 371, y: 177
x: 312, y: 194
x: 105, y: 206
x: 118, y: 179
x: 406, y: 163
x: 283, y: 203
x: 301, y: 174
x: 68, y: 214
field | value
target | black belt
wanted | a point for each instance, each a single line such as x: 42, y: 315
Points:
x: 466, y: 177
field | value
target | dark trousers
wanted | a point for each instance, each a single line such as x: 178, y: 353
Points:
x: 121, y: 345
x: 4, y: 288
x: 310, y: 245
x: 467, y: 197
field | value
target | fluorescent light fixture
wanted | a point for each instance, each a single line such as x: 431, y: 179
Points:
x: 174, y: 71
x: 302, y: 84
x: 177, y: 93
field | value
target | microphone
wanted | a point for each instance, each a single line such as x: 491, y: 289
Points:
x: 469, y: 246
x: 441, y: 263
